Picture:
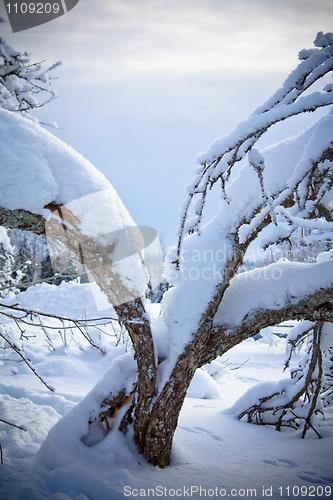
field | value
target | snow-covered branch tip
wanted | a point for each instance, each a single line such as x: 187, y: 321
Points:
x: 217, y: 163
x: 21, y: 81
x: 295, y: 402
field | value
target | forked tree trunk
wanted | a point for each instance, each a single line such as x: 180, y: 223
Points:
x: 208, y: 344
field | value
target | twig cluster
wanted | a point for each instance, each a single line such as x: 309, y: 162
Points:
x: 21, y: 81
x: 295, y: 405
x: 24, y: 318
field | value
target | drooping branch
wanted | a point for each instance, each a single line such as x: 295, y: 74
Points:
x: 26, y: 361
x: 290, y: 405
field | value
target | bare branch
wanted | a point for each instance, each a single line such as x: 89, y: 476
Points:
x: 31, y: 312
x: 13, y: 425
x: 18, y: 351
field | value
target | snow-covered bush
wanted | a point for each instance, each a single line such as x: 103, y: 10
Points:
x: 6, y: 262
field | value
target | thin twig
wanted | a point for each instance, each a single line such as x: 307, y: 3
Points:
x: 17, y: 350
x: 87, y: 337
x: 237, y: 367
x: 13, y: 425
x: 48, y: 315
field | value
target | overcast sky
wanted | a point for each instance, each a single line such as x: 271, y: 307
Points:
x: 146, y: 85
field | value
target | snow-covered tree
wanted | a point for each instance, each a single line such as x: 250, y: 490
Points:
x: 6, y: 262
x: 22, y: 82
x: 32, y: 261
x: 211, y: 307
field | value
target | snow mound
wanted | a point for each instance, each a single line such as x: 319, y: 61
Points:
x: 64, y: 444
x: 37, y: 168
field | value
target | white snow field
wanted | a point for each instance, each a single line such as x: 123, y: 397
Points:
x: 214, y: 454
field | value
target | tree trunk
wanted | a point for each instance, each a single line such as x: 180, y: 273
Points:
x: 164, y: 416
x: 155, y: 425
x: 132, y: 315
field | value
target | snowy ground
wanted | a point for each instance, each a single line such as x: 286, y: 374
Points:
x: 214, y: 455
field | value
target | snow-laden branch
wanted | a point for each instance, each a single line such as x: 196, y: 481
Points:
x: 268, y: 296
x: 217, y: 163
x: 270, y: 288
x: 315, y: 64
x: 22, y: 81
x: 49, y: 187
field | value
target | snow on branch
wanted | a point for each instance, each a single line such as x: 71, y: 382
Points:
x: 268, y: 296
x: 217, y: 163
x: 294, y: 403
x: 22, y: 81
x: 271, y: 288
x: 313, y: 308
x: 23, y: 220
